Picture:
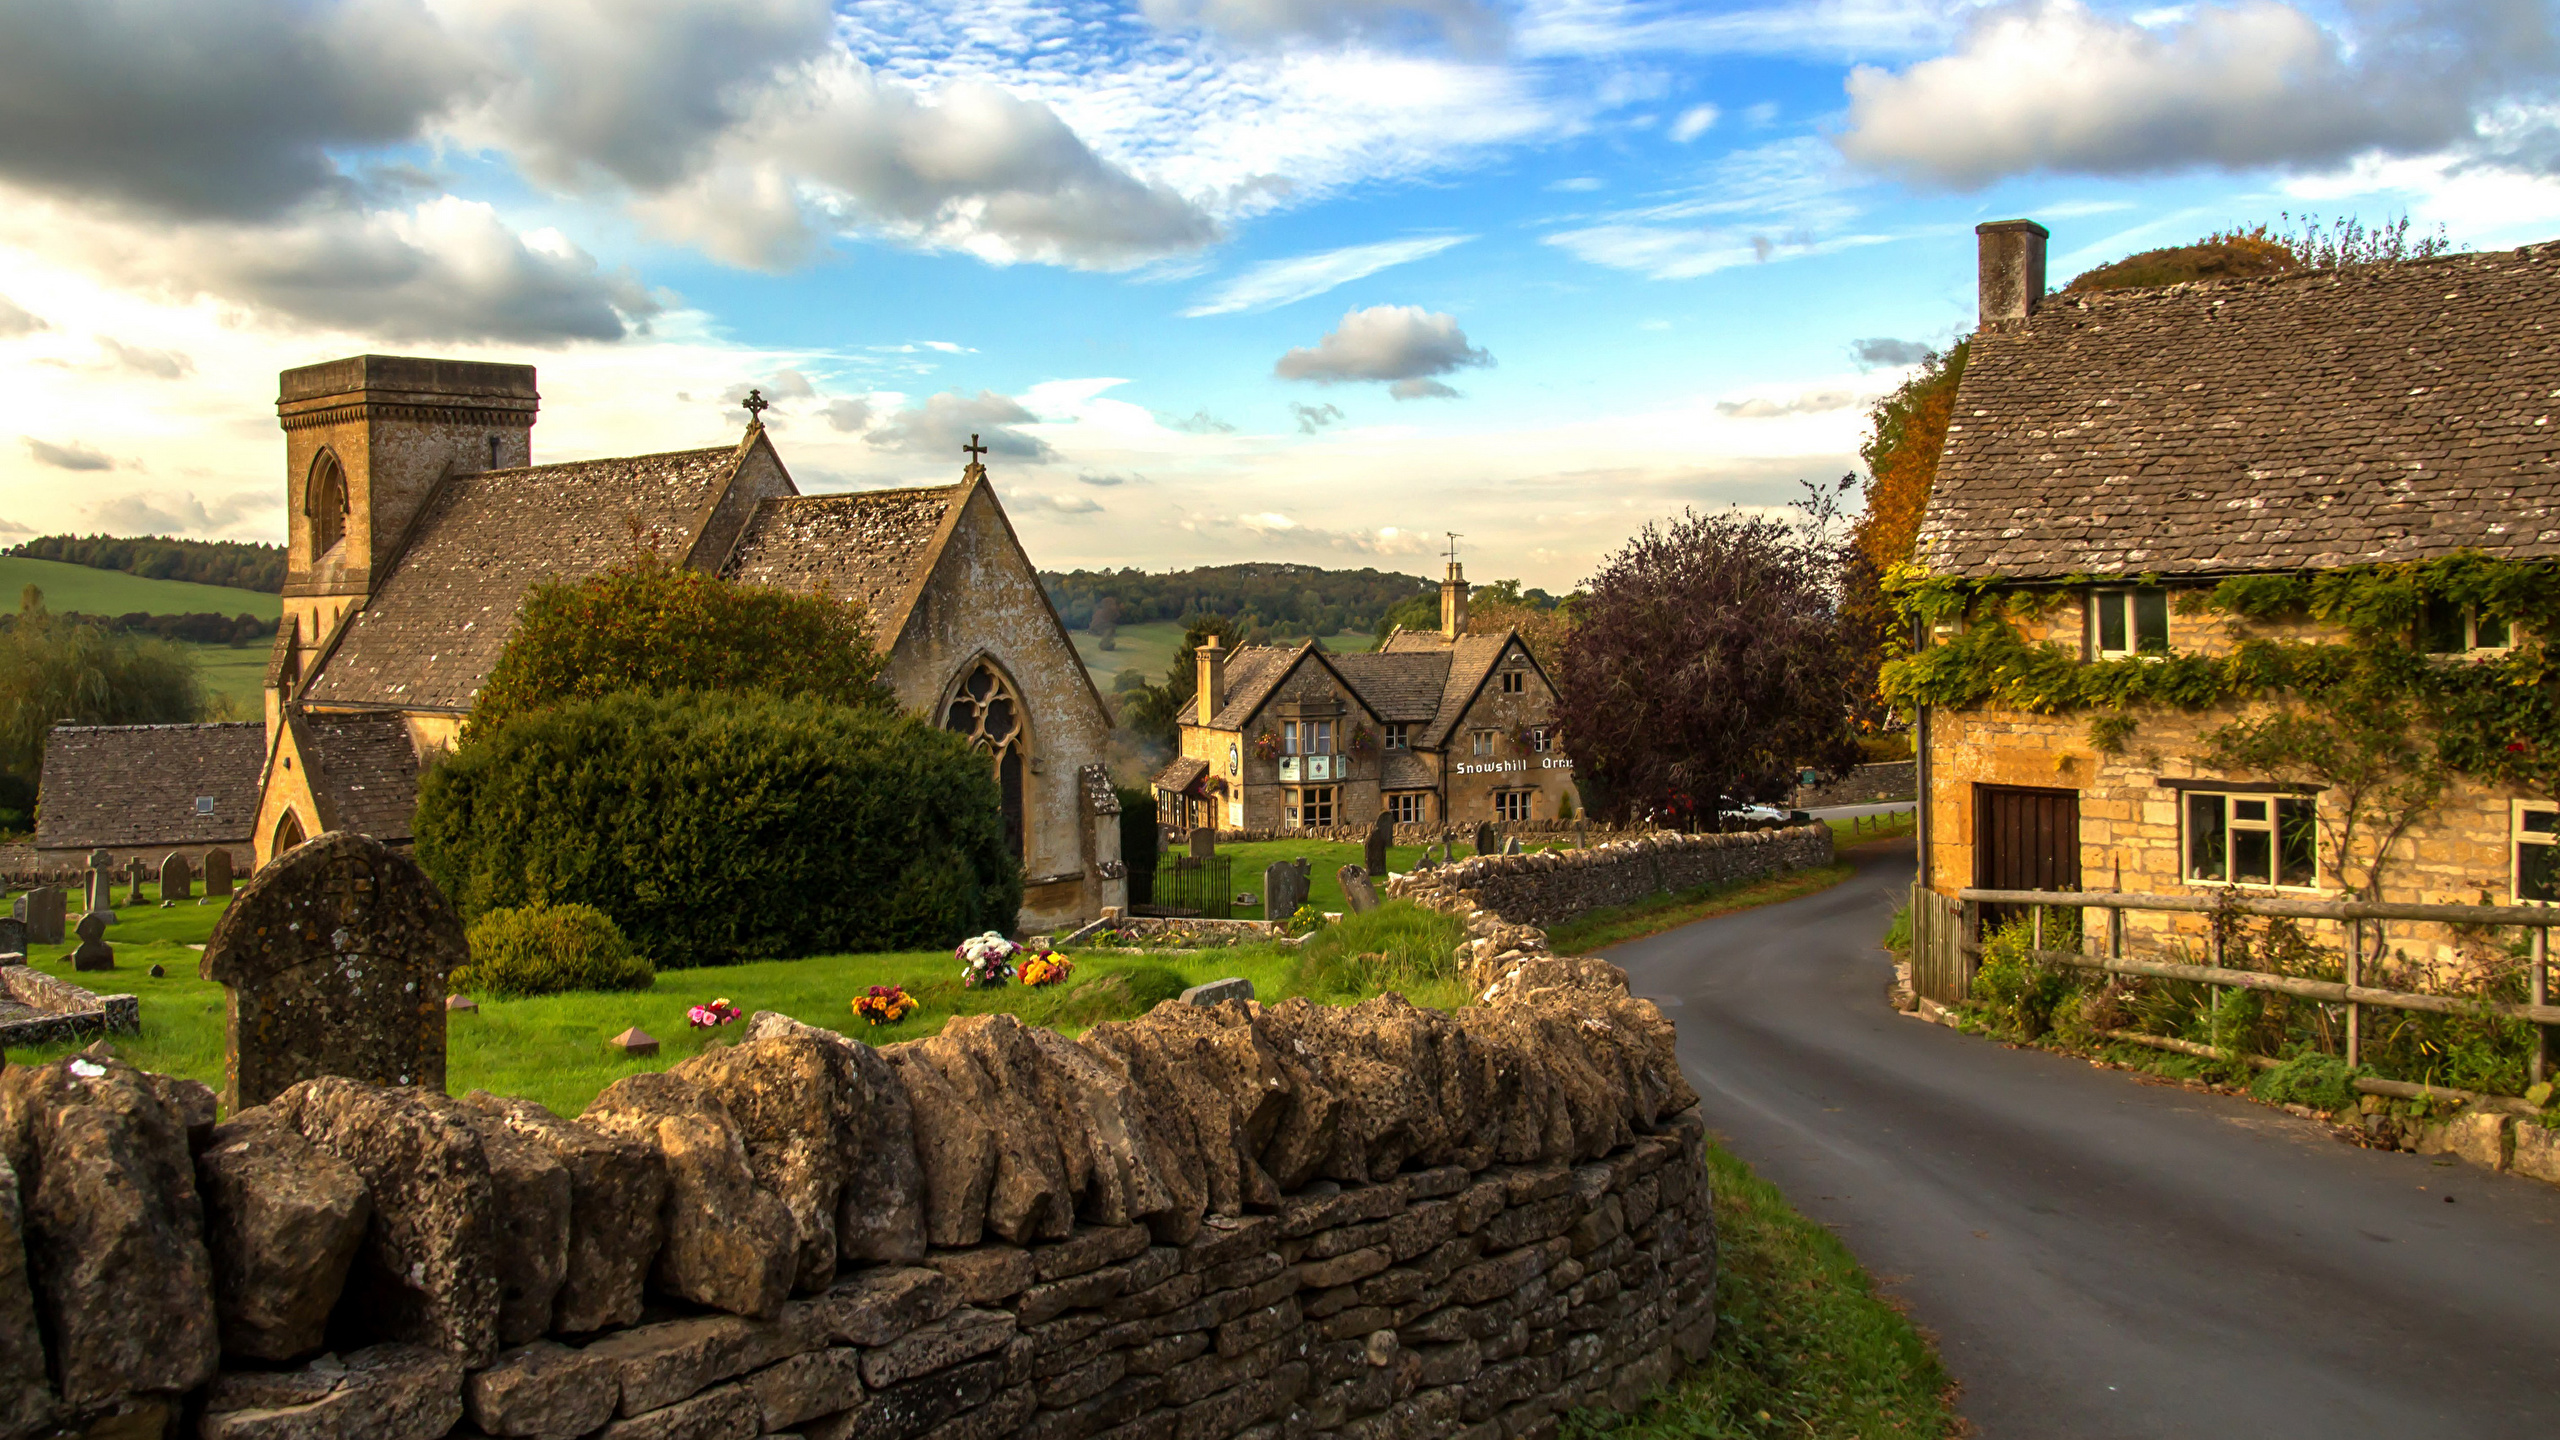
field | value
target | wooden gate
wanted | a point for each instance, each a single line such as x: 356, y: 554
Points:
x: 2023, y: 839
x: 1940, y: 970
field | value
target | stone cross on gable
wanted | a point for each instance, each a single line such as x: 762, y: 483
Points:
x: 977, y: 452
x: 756, y: 405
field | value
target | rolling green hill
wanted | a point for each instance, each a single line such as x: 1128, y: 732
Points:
x: 113, y: 592
x: 1149, y: 649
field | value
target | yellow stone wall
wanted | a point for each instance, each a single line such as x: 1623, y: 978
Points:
x: 1472, y: 779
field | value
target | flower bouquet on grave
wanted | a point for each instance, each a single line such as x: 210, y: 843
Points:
x: 712, y: 1016
x: 987, y: 961
x: 884, y: 1004
x: 1045, y: 967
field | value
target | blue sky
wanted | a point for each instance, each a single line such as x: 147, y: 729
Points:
x: 1222, y: 279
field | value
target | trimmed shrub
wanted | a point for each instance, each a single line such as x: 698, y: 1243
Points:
x: 550, y: 949
x: 715, y: 828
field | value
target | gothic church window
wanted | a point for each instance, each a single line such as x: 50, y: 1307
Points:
x: 324, y: 501
x: 985, y: 710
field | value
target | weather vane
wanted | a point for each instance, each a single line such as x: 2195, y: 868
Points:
x: 1453, y: 545
x: 756, y: 406
x: 977, y: 452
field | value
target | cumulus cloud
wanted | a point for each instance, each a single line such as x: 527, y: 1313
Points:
x: 2052, y: 86
x: 16, y: 320
x: 1884, y: 350
x: 1056, y: 503
x: 1199, y: 422
x: 1105, y: 481
x: 1272, y: 526
x: 1466, y: 26
x: 944, y: 422
x: 150, y: 513
x: 158, y: 364
x: 1281, y: 282
x: 1693, y: 122
x: 1312, y: 418
x: 1761, y: 407
x: 1402, y: 344
x: 849, y: 414
x: 74, y: 456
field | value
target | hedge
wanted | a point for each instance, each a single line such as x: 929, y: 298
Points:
x: 717, y: 827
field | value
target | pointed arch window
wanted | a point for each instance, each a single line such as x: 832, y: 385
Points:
x: 985, y: 710
x: 324, y: 500
x: 288, y: 834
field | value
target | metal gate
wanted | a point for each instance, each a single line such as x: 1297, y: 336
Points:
x: 1194, y: 887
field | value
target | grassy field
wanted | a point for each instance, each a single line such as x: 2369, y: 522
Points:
x: 236, y: 673
x: 1149, y: 649
x: 113, y: 592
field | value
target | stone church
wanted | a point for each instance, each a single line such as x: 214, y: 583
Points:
x: 419, y: 521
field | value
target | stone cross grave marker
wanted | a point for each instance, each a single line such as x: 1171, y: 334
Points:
x: 1488, y: 840
x: 177, y: 878
x: 94, y: 952
x: 217, y: 872
x: 135, y: 873
x: 42, y: 909
x: 102, y: 886
x: 1373, y: 855
x: 1284, y: 889
x: 1357, y: 892
x: 1204, y: 842
x: 336, y: 958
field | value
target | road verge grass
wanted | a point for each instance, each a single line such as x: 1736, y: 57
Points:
x: 1600, y: 929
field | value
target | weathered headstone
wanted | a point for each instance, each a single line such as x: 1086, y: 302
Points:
x: 1581, y: 834
x: 1234, y: 987
x: 1511, y: 845
x: 42, y: 909
x: 336, y: 958
x: 1373, y: 855
x: 177, y: 878
x: 1356, y: 889
x: 217, y: 872
x: 135, y: 874
x: 1284, y: 889
x: 101, y: 895
x: 1204, y: 841
x: 94, y: 953
x: 13, y: 935
x: 1488, y: 839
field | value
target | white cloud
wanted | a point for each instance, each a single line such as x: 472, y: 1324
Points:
x: 1466, y: 26
x: 1693, y: 122
x: 1055, y: 502
x: 15, y: 320
x: 1577, y: 184
x: 944, y: 422
x: 1885, y: 350
x: 1404, y: 344
x: 143, y: 360
x: 1764, y: 407
x: 154, y: 513
x: 70, y: 456
x: 1274, y: 283
x: 1772, y: 202
x: 849, y: 414
x: 1312, y: 418
x: 2053, y: 86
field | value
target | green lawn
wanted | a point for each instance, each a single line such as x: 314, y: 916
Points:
x: 234, y: 673
x: 1149, y: 649
x: 1599, y: 929
x: 114, y: 592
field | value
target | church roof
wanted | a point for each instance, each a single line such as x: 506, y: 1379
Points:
x: 2380, y: 412
x: 126, y: 785
x: 364, y: 770
x: 872, y: 546
x: 434, y: 628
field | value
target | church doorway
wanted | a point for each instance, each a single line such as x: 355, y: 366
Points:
x: 288, y: 834
x: 985, y: 709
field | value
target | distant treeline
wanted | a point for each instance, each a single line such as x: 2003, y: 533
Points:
x: 202, y: 628
x: 240, y: 564
x: 1300, y: 599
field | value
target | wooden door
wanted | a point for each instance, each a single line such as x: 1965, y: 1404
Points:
x: 2024, y: 839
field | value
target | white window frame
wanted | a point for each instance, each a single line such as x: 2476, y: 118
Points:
x: 2232, y: 823
x: 1300, y: 806
x: 1483, y: 741
x: 2126, y: 597
x: 1288, y: 737
x: 1525, y: 801
x: 1399, y: 735
x: 2520, y: 838
x: 2471, y: 636
x: 1415, y: 801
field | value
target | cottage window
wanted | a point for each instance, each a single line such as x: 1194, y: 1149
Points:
x: 2537, y: 853
x: 2129, y: 622
x: 1405, y: 807
x: 1541, y: 739
x: 1514, y: 682
x: 2252, y: 840
x: 2445, y: 628
x: 1312, y: 737
x: 1511, y: 804
x: 1399, y: 736
x: 1484, y: 742
x: 1311, y: 807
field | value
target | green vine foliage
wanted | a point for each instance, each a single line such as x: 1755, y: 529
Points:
x: 2495, y: 718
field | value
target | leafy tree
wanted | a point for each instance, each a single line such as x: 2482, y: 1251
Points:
x: 239, y: 564
x: 52, y: 669
x: 1545, y: 625
x: 1303, y: 599
x: 1708, y: 662
x: 1418, y: 612
x: 652, y: 626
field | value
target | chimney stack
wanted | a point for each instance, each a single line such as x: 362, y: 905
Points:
x: 1213, y: 679
x: 2011, y: 270
x: 1453, y: 602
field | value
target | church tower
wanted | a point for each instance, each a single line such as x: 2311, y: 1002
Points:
x: 367, y: 439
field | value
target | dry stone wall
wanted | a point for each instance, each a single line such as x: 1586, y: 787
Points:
x: 1242, y: 1220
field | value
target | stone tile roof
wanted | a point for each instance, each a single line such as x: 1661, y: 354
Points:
x: 1252, y: 673
x: 1401, y: 686
x: 1181, y: 774
x: 2376, y: 413
x: 872, y: 546
x: 124, y: 785
x: 1404, y: 770
x: 366, y: 771
x: 1470, y: 660
x: 435, y: 627
x: 1418, y: 680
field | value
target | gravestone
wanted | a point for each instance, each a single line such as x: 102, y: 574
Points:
x: 1284, y: 889
x: 217, y: 872
x: 1204, y: 842
x: 94, y: 952
x: 1356, y: 889
x: 1511, y: 845
x: 42, y: 909
x: 13, y: 935
x: 135, y: 874
x: 101, y: 896
x: 1488, y: 839
x: 336, y: 959
x: 1373, y: 855
x: 177, y: 878
x: 1581, y: 834
x: 1217, y: 992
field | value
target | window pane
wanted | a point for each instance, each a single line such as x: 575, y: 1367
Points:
x: 2440, y: 628
x: 2538, y: 872
x: 2297, y: 842
x: 2248, y: 810
x: 2111, y: 620
x: 2151, y: 621
x: 1289, y: 736
x: 2252, y: 856
x: 2206, y: 851
x: 2489, y: 633
x: 2542, y: 822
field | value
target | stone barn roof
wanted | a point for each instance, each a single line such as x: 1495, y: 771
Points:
x: 2385, y: 412
x: 115, y: 786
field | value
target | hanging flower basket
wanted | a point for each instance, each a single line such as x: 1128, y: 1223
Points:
x: 1266, y: 746
x: 712, y: 1016
x: 1363, y: 744
x: 884, y: 1004
x: 986, y: 962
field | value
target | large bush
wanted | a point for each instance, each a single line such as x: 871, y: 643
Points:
x: 718, y: 827
x: 549, y: 950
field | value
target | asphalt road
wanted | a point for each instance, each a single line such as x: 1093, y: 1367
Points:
x: 2098, y: 1256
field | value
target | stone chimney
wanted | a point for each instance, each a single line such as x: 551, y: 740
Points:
x: 1453, y: 602
x: 1213, y: 679
x: 2011, y: 269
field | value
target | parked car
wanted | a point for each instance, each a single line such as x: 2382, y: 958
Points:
x: 1735, y: 814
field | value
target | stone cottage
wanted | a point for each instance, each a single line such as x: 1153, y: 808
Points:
x: 1434, y: 727
x: 2117, y: 455
x: 418, y: 523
